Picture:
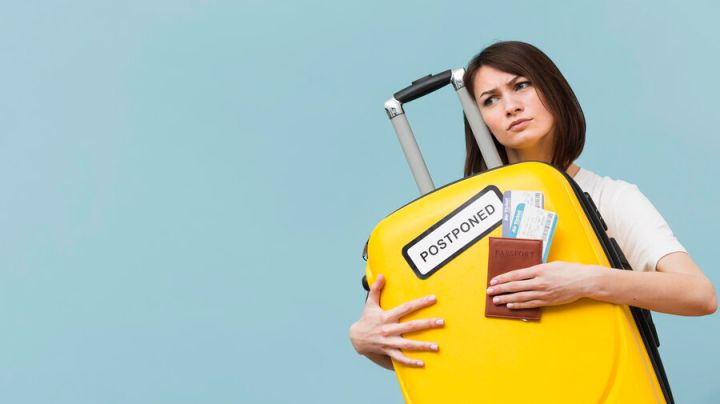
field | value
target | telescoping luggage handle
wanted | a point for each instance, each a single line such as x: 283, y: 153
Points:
x: 422, y: 87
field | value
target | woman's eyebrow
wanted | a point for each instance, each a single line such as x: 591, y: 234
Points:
x: 509, y: 83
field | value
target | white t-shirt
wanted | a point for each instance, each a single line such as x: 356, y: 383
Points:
x: 632, y: 220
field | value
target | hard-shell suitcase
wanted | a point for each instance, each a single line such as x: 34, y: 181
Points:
x: 583, y: 352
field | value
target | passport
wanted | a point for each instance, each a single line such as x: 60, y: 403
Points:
x: 507, y: 254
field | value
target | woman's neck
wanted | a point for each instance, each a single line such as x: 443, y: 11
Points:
x: 537, y: 154
x: 572, y: 170
x: 516, y: 156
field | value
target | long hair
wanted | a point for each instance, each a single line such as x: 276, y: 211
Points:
x: 528, y: 61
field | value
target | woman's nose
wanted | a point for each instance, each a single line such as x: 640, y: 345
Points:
x: 512, y: 106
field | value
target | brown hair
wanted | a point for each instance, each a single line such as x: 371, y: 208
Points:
x: 555, y: 93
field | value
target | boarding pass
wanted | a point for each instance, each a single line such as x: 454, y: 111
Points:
x: 534, y: 223
x: 511, y: 200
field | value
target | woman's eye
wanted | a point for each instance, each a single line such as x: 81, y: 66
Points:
x: 489, y: 100
x: 521, y: 85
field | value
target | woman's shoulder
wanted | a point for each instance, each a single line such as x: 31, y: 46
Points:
x: 602, y: 186
x: 616, y: 199
x: 619, y: 201
x: 642, y: 232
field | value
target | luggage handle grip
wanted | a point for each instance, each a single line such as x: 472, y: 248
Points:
x: 423, y: 86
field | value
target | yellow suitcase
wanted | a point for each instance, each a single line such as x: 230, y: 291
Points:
x: 584, y: 352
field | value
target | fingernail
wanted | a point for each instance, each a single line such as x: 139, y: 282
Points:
x: 419, y: 363
x: 439, y: 322
x: 431, y: 298
x: 509, y: 305
x: 490, y: 290
x: 492, y: 282
x: 434, y: 347
x: 496, y: 299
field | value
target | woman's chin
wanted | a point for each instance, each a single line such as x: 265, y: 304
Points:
x: 522, y: 140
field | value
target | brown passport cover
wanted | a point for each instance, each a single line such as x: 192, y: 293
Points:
x: 507, y: 254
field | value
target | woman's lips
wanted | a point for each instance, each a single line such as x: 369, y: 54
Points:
x: 519, y: 125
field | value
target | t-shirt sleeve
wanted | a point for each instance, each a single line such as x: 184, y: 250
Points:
x: 640, y: 230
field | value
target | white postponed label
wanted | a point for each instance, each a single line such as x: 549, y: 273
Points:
x: 455, y: 232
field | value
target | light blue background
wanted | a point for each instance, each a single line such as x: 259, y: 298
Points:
x: 187, y: 185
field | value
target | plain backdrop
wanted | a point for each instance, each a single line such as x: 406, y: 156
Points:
x: 187, y: 185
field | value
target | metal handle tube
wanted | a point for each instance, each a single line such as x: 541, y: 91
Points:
x: 412, y: 154
x: 482, y: 135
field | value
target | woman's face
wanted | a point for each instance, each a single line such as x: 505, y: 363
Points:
x: 512, y: 109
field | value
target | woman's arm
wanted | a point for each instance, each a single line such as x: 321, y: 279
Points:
x: 678, y: 286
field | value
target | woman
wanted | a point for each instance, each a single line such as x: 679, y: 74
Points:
x: 533, y: 115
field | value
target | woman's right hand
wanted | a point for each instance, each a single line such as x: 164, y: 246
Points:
x: 379, y: 332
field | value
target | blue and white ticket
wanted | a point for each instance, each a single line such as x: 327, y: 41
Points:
x: 511, y: 200
x: 534, y: 223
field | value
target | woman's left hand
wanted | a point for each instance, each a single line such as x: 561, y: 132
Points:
x: 547, y: 284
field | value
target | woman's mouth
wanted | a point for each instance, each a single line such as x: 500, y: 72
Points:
x: 519, y: 125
